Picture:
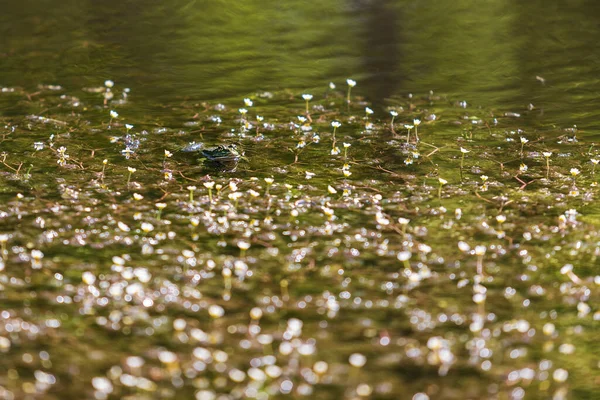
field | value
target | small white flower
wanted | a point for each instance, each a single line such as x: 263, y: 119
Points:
x: 259, y: 118
x: 547, y: 154
x: 480, y: 250
x: 417, y: 122
x: 524, y: 140
x: 108, y: 83
x: 331, y: 85
x: 147, y: 227
x: 168, y: 154
x: 128, y: 126
x: 351, y: 82
x: 442, y: 181
x: 307, y: 97
x: 38, y: 146
x: 575, y: 171
x: 336, y: 124
x: 368, y: 110
x: 394, y: 113
x: 523, y: 168
x: 309, y: 175
x: 113, y: 114
x: 335, y: 151
x: 243, y: 111
x: 464, y: 151
x: 595, y: 161
x: 409, y: 127
x: 248, y: 102
x: 301, y: 119
x: 346, y: 145
x: 131, y: 169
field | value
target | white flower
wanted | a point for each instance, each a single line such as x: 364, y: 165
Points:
x: 331, y: 85
x: 113, y: 114
x: 409, y: 126
x: 331, y: 190
x: 259, y: 118
x: 346, y: 145
x: 301, y: 119
x: 209, y: 185
x: 307, y: 97
x: 243, y: 245
x: 464, y: 151
x: 595, y: 161
x: 524, y: 140
x: 131, y: 169
x: 248, y: 102
x: 108, y: 83
x: 128, y: 126
x: 309, y: 175
x: 368, y: 110
x: 547, y: 154
x: 38, y: 146
x: 417, y: 122
x: 575, y: 171
x: 243, y: 111
x: 442, y: 181
x: 336, y: 124
x: 335, y: 151
x: 168, y: 154
x: 350, y: 82
x: 394, y: 113
x: 147, y: 227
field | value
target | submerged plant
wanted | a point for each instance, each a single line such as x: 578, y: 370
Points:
x: 416, y: 123
x: 394, y: 114
x: 131, y: 171
x: 442, y: 182
x: 351, y: 83
x: 307, y: 98
x: 547, y: 155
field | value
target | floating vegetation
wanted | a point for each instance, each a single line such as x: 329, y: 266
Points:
x: 449, y: 253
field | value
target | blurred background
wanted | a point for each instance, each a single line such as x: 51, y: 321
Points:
x: 488, y: 53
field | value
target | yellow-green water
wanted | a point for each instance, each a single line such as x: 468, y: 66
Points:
x: 390, y: 270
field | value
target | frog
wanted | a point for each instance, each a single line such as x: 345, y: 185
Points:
x: 224, y: 156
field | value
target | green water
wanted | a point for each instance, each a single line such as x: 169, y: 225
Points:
x: 390, y: 268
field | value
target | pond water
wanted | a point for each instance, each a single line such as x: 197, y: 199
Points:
x: 403, y: 203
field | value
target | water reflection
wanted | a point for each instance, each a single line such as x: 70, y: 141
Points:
x: 382, y: 52
x: 488, y: 54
